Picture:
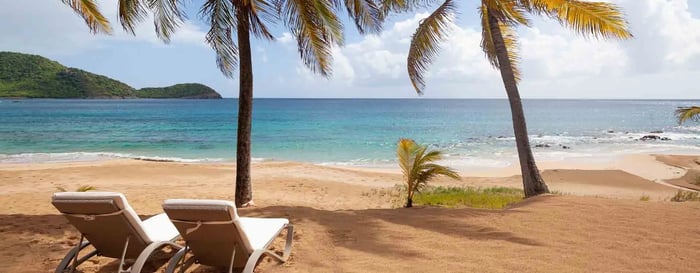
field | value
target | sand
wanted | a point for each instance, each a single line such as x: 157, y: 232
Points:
x: 344, y: 224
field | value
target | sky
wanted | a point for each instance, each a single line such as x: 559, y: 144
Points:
x: 662, y: 62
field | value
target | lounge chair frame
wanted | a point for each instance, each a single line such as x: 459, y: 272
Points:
x: 73, y: 259
x: 252, y: 253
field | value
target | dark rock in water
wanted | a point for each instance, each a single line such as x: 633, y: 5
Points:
x: 665, y: 139
x: 656, y: 132
x: 566, y: 147
x: 500, y: 137
x: 542, y: 146
x: 650, y: 137
x: 611, y: 132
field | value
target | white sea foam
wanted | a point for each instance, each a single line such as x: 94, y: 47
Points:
x: 89, y: 156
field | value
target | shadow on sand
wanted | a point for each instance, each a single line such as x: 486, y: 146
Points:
x: 358, y: 230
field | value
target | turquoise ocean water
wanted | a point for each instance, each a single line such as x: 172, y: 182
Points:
x: 335, y: 131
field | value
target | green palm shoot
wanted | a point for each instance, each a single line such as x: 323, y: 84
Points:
x: 417, y: 164
x: 688, y: 113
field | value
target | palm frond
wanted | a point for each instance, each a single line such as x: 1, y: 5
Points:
x: 316, y: 29
x: 404, y: 149
x: 366, y: 14
x: 259, y: 13
x: 688, y: 113
x: 131, y: 12
x: 507, y: 11
x: 425, y: 43
x: 90, y: 12
x: 597, y: 19
x: 387, y: 6
x: 168, y: 16
x: 220, y: 15
x: 510, y: 38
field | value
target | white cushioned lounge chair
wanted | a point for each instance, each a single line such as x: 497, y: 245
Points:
x: 112, y: 227
x: 216, y: 236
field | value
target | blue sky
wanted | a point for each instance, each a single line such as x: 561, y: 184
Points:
x: 662, y: 62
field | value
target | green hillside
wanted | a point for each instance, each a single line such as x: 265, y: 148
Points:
x: 32, y: 76
x: 183, y: 90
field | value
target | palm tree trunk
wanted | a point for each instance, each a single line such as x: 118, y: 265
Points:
x: 532, y: 181
x: 409, y: 202
x: 244, y: 192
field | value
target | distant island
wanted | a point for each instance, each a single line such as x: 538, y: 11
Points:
x: 32, y: 76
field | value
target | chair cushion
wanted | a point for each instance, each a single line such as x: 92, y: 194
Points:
x: 262, y: 231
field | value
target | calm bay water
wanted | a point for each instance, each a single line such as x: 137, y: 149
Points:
x: 334, y: 131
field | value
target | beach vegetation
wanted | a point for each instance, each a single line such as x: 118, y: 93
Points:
x: 417, y: 163
x: 315, y: 25
x: 684, y: 196
x: 499, y: 18
x: 644, y: 198
x: 487, y: 198
x: 83, y: 188
x: 691, y: 113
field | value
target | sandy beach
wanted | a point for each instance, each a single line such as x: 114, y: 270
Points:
x: 596, y: 222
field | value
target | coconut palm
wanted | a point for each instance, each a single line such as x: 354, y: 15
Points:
x: 499, y: 18
x: 688, y: 113
x: 315, y: 25
x: 416, y: 162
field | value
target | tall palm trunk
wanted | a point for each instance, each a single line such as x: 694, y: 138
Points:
x: 244, y: 193
x: 532, y: 181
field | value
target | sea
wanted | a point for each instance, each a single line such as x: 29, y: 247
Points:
x: 473, y: 133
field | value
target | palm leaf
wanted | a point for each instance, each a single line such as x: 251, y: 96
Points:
x: 688, y: 113
x: 387, y: 6
x: 315, y: 29
x: 506, y: 11
x: 90, y: 12
x: 259, y: 12
x: 220, y: 15
x: 168, y: 16
x: 366, y: 14
x: 597, y: 19
x: 131, y: 12
x: 404, y: 149
x: 425, y: 43
x: 509, y: 37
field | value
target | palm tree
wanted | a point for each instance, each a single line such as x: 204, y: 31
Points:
x: 499, y: 41
x: 418, y: 167
x: 315, y: 25
x: 688, y: 113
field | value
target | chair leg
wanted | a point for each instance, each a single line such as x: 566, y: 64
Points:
x: 253, y: 259
x: 122, y: 263
x: 177, y: 258
x: 148, y: 251
x: 72, y: 258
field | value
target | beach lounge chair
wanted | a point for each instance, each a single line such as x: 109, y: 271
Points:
x: 216, y: 236
x: 112, y: 227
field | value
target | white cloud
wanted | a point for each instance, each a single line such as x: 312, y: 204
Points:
x: 50, y: 27
x: 286, y: 38
x: 555, y: 61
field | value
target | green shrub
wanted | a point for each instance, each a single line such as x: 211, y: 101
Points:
x: 489, y: 198
x: 683, y: 196
x: 645, y: 198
